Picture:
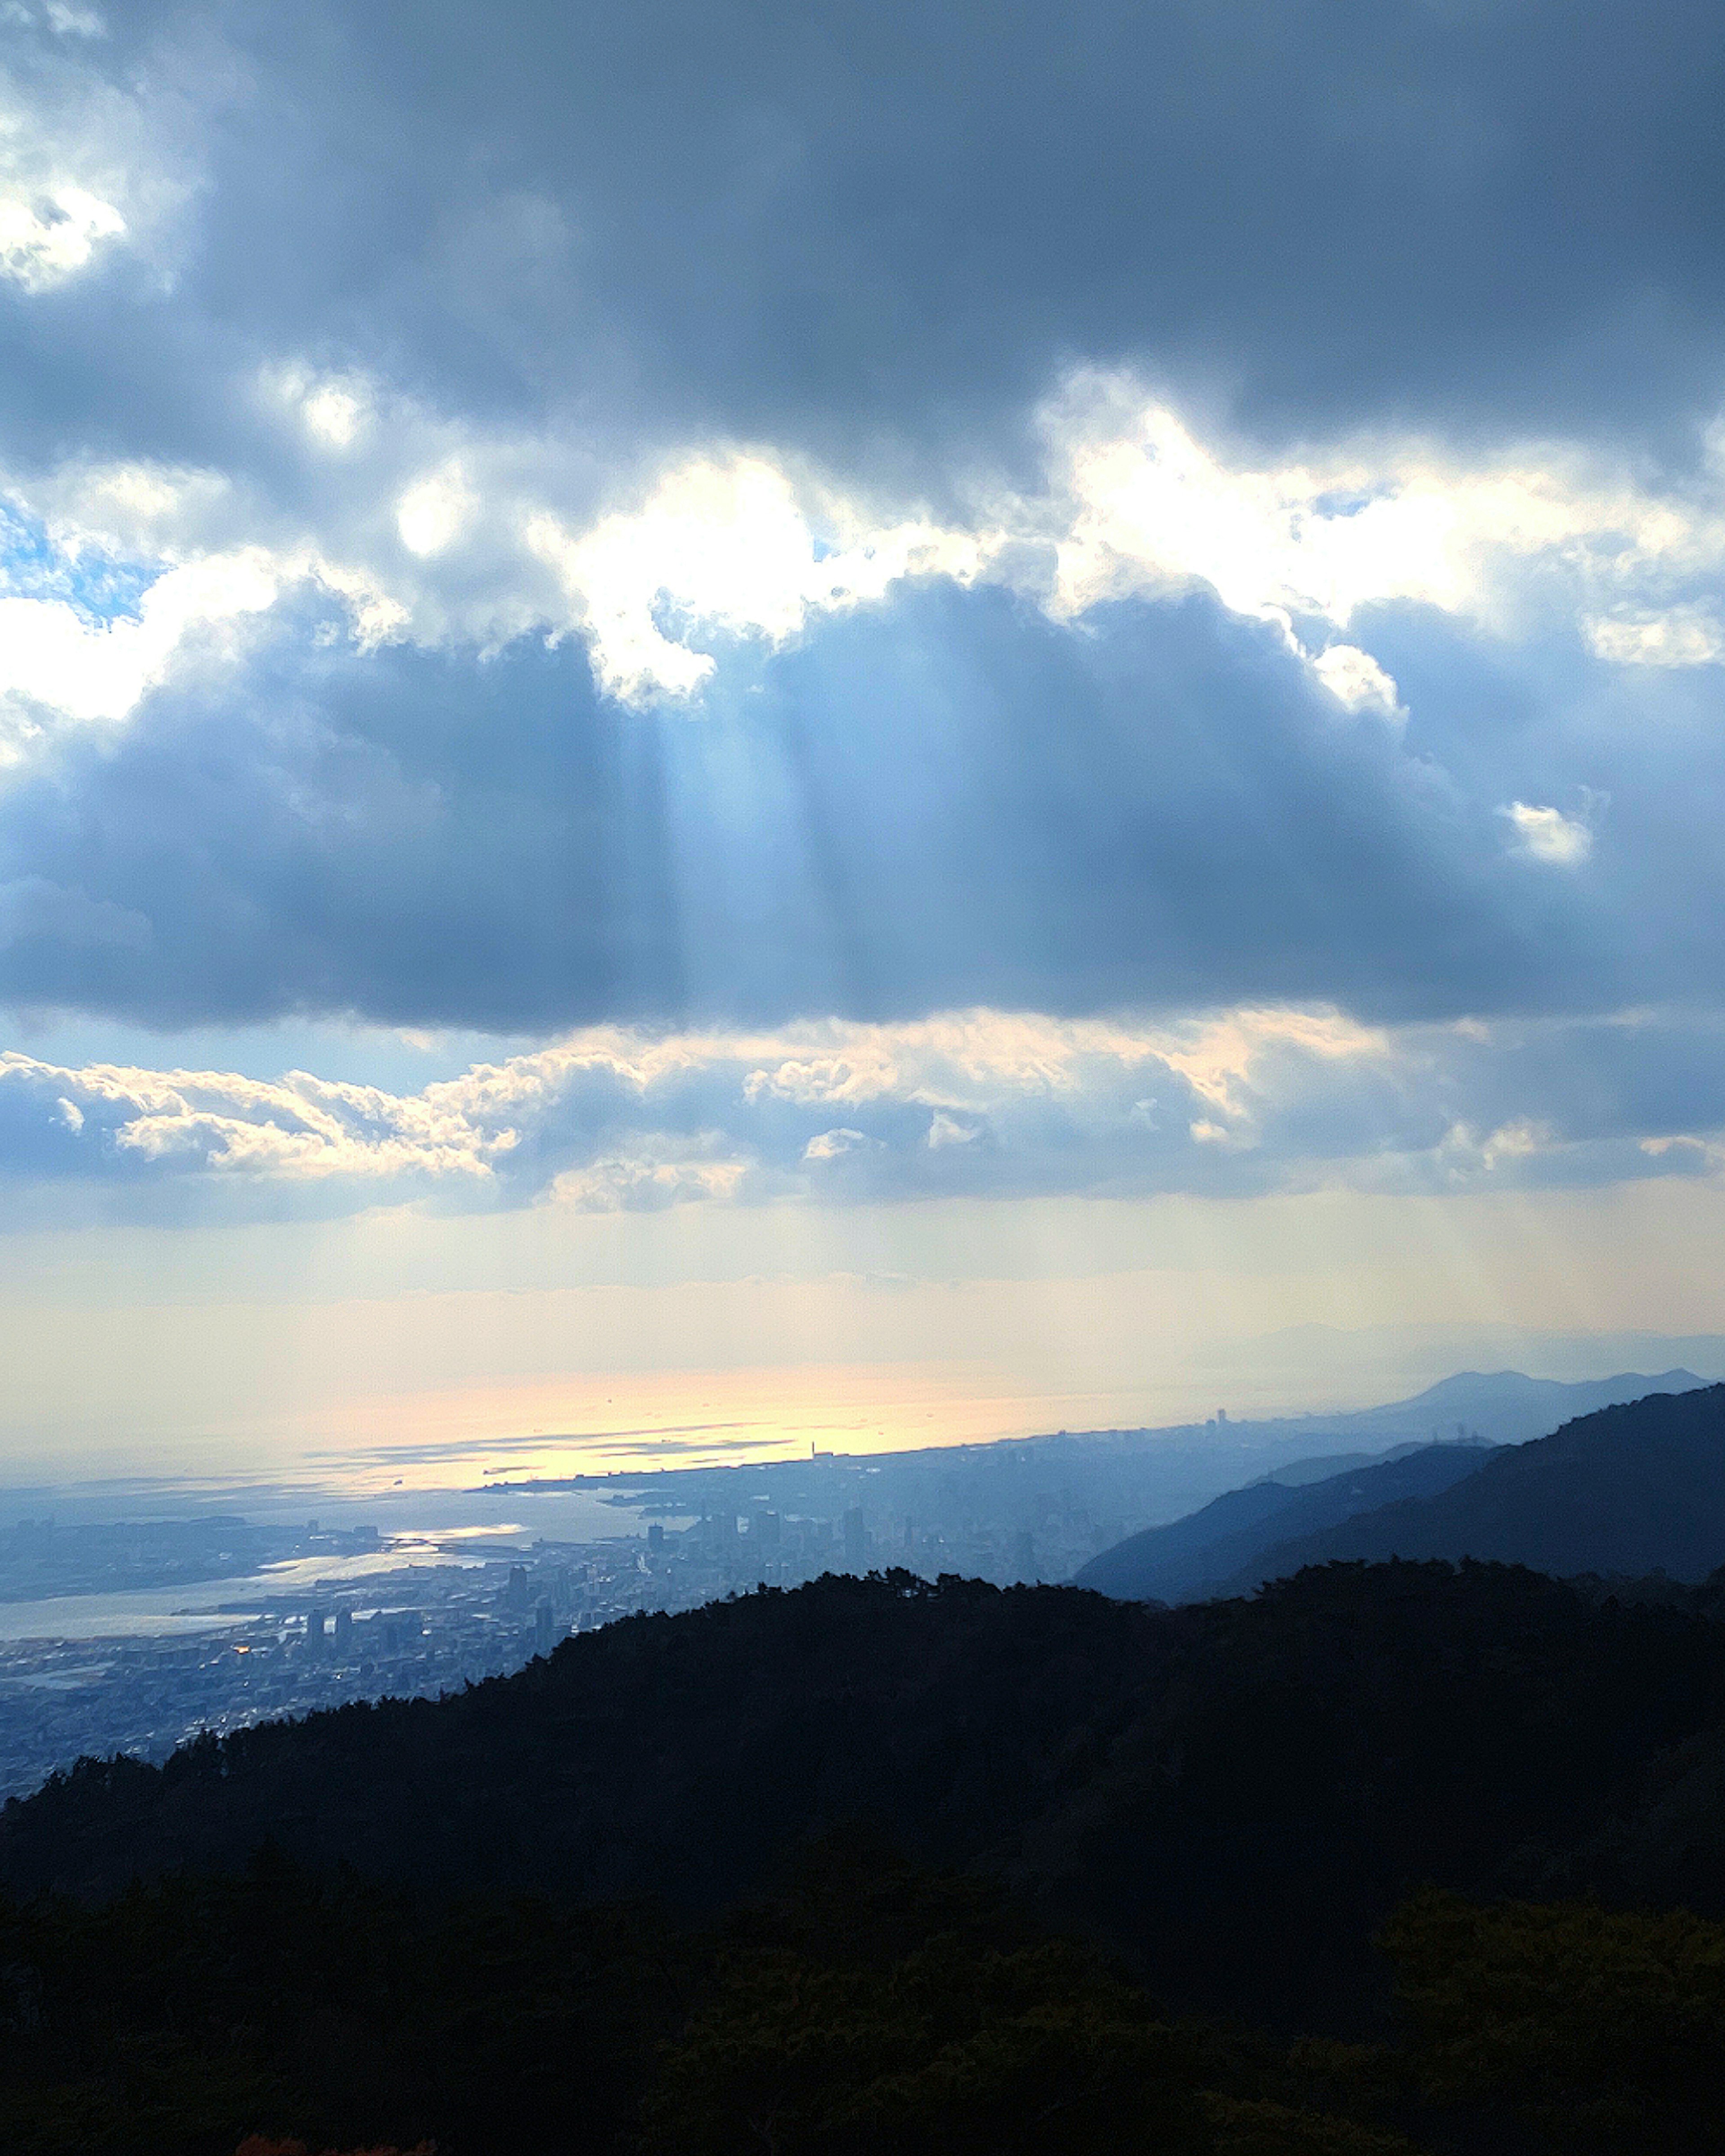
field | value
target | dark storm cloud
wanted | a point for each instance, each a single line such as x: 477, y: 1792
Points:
x: 862, y: 228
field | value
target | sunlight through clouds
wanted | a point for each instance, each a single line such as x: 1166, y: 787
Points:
x: 726, y: 547
x: 727, y: 544
x: 650, y: 628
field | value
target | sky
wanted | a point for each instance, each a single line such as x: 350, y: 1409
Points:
x: 722, y: 724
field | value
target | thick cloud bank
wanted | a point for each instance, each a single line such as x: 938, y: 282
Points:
x: 713, y: 522
x: 867, y: 224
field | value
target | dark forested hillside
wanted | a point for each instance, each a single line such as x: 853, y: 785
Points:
x: 1630, y: 1490
x: 1178, y: 1783
x: 878, y: 1868
x: 1184, y: 1560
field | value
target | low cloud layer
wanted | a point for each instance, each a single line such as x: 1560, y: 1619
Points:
x: 976, y: 1104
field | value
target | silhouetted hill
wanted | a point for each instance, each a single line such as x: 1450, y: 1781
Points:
x: 1505, y: 1406
x: 1186, y: 1782
x: 1630, y: 1490
x: 1182, y: 1560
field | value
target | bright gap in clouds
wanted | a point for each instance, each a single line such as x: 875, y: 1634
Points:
x: 729, y: 543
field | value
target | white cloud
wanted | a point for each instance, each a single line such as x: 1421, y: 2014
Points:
x: 833, y: 1144
x: 659, y: 1174
x: 1683, y: 636
x: 727, y: 545
x: 51, y: 655
x: 47, y: 237
x: 334, y: 410
x: 982, y: 1102
x: 1357, y: 681
x: 1147, y: 507
x: 445, y: 535
x: 296, y: 1128
x: 572, y: 1114
x: 334, y: 415
x: 432, y: 511
x: 1547, y: 835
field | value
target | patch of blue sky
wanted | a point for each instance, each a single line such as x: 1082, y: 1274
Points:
x: 100, y: 587
x: 1348, y: 501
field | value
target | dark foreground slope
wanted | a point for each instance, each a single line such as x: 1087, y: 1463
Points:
x: 1234, y: 1794
x: 335, y: 1945
x: 1189, y: 1558
x: 1628, y: 1491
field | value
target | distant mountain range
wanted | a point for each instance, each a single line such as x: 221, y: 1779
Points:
x: 1505, y: 1406
x: 1629, y: 1490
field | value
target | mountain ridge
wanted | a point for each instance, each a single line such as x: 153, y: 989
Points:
x: 1179, y: 1561
x: 1633, y: 1489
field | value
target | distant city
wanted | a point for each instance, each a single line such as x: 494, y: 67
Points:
x: 292, y: 1648
x: 248, y: 1621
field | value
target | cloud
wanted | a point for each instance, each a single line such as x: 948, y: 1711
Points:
x: 1547, y: 835
x: 692, y: 525
x: 833, y: 1144
x: 431, y: 512
x: 445, y: 538
x: 942, y: 799
x: 1356, y: 681
x: 45, y: 239
x: 52, y: 656
x: 1686, y: 635
x: 1036, y: 730
x: 726, y: 547
x: 299, y: 1128
x: 886, y: 228
x: 978, y: 1103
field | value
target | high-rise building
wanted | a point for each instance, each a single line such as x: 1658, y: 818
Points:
x: 856, y: 1541
x: 515, y: 1595
x: 314, y: 1633
x: 545, y: 1630
x: 344, y: 1634
x: 764, y: 1532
